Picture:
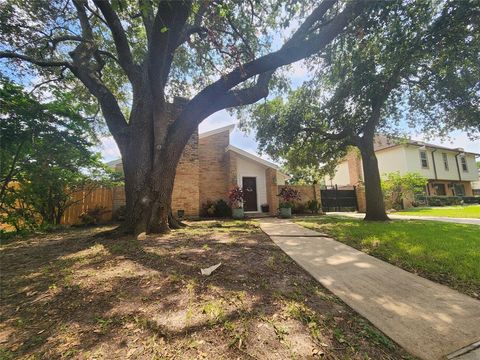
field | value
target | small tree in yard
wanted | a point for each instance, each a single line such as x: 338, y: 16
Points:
x: 398, y: 187
x: 415, y: 58
x: 45, y: 157
x: 135, y: 57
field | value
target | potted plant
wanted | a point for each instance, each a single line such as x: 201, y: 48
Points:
x: 287, y: 197
x: 265, y: 208
x: 236, y: 202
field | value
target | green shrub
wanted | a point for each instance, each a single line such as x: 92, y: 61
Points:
x: 208, y: 209
x: 219, y: 208
x: 222, y: 209
x: 443, y: 200
x: 298, y: 208
x: 471, y: 199
x: 314, y: 206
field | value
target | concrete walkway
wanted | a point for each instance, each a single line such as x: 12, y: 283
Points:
x: 429, y: 320
x: 412, y: 217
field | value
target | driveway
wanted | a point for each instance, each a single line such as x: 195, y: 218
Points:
x: 413, y: 217
x: 429, y: 320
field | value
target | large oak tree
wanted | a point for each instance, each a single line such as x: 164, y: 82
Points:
x: 134, y: 57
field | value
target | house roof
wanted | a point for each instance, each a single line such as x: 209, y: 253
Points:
x: 252, y: 157
x: 382, y: 142
x: 228, y: 128
x: 114, y: 162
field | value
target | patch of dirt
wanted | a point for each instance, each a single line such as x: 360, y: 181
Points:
x: 76, y: 294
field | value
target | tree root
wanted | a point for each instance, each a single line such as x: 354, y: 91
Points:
x: 174, y: 223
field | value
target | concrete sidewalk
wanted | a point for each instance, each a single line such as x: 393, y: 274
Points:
x: 429, y: 320
x: 471, y: 221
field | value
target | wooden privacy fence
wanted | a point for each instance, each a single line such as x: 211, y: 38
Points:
x: 85, y: 201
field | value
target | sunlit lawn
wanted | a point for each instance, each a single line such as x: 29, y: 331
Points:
x: 468, y: 211
x: 448, y: 253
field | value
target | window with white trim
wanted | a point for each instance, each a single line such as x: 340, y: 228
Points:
x: 445, y: 161
x: 423, y: 159
x: 463, y: 161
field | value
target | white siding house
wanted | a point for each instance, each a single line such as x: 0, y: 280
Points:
x: 449, y: 171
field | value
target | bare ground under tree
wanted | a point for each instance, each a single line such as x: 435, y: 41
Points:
x: 74, y: 294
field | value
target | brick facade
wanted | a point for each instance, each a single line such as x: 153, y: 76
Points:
x: 354, y: 166
x: 206, y: 172
x: 214, y: 167
x: 272, y: 190
x: 306, y: 192
x: 186, y: 188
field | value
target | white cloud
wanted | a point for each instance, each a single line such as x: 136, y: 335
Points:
x: 109, y: 149
x: 299, y: 70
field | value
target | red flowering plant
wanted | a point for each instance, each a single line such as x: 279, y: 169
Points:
x: 288, y: 196
x: 236, y: 198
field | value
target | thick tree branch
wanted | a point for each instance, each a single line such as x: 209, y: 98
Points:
x: 146, y: 11
x: 293, y: 50
x: 42, y: 63
x: 167, y: 30
x: 219, y: 95
x: 120, y: 39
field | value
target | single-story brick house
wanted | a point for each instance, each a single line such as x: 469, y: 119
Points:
x: 210, y: 166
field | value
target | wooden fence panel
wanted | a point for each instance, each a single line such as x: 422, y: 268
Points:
x: 101, y: 197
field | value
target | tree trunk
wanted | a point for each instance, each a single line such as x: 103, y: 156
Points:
x: 375, y: 206
x: 149, y: 168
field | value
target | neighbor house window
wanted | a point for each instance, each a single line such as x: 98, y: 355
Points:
x: 423, y: 159
x: 459, y: 190
x: 463, y: 161
x: 445, y: 161
x: 440, y: 189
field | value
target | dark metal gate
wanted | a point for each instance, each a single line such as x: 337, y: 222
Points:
x: 335, y: 199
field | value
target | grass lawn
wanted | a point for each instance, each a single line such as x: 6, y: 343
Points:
x: 467, y: 211
x: 447, y: 253
x: 85, y: 294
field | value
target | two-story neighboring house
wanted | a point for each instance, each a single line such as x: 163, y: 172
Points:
x: 450, y: 172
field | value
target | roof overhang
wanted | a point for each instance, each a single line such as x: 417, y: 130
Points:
x: 228, y: 128
x: 251, y: 157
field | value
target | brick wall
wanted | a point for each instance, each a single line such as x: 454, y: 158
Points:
x: 215, y: 165
x: 307, y: 192
x: 354, y: 166
x: 272, y: 190
x: 361, y: 200
x: 186, y: 191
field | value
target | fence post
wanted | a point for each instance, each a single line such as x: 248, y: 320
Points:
x: 356, y: 199
x: 336, y: 198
